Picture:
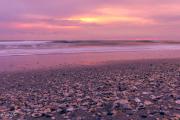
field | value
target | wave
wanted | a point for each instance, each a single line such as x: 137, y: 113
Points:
x: 89, y: 49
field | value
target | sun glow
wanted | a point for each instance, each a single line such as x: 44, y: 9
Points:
x: 108, y: 15
x: 111, y: 19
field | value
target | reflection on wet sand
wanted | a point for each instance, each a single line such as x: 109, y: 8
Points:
x: 13, y: 63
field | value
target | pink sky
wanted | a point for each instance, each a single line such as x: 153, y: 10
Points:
x: 89, y: 19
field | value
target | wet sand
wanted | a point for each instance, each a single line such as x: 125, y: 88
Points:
x: 34, y: 62
x: 137, y: 89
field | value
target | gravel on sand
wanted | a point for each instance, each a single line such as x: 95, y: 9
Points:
x: 114, y: 91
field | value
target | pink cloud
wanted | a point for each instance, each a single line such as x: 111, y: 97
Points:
x: 89, y: 19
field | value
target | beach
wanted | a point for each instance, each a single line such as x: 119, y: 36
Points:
x: 90, y: 60
x: 131, y: 89
x: 89, y: 80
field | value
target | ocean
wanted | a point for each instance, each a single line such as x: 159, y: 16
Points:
x: 24, y: 48
x: 30, y: 55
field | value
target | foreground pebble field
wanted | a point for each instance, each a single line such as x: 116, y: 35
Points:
x: 115, y: 91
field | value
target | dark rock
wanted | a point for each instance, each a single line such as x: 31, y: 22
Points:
x: 12, y: 108
x: 143, y: 116
x: 122, y: 87
x: 63, y: 111
x: 46, y: 115
x: 109, y: 113
x: 36, y: 115
x: 162, y: 113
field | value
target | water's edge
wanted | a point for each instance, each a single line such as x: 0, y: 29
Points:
x: 21, y: 48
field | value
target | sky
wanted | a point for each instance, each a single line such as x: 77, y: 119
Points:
x: 89, y: 19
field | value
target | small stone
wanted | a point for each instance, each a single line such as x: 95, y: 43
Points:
x: 134, y: 88
x: 47, y: 110
x: 110, y: 113
x: 141, y: 106
x: 122, y: 87
x: 12, y: 108
x: 36, y: 115
x: 53, y: 109
x: 177, y: 102
x: 155, y: 98
x: 137, y: 100
x: 143, y: 116
x: 63, y: 111
x: 122, y: 104
x: 66, y: 94
x: 92, y: 110
x: 123, y: 101
x: 153, y: 112
x: 3, y: 109
x: 47, y: 115
x: 145, y: 93
x: 146, y: 102
x: 177, y: 116
x: 114, y: 112
x: 53, y: 118
x: 161, y: 113
x: 70, y: 109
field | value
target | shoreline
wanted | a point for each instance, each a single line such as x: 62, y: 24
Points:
x: 97, y: 65
x: 146, y: 89
x: 103, y: 63
x: 33, y: 62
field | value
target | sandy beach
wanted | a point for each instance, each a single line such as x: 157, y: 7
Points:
x: 51, y: 61
x: 136, y: 89
x: 90, y: 60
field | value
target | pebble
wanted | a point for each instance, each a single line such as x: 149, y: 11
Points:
x: 155, y: 98
x: 147, y: 102
x: 145, y: 93
x: 110, y: 113
x: 48, y: 110
x: 12, y: 108
x: 62, y: 111
x: 36, y: 115
x: 144, y: 116
x: 141, y: 106
x: 122, y: 87
x: 137, y: 100
x: 70, y: 109
x: 162, y: 113
x: 177, y: 102
x: 47, y: 115
x: 53, y: 118
x: 122, y: 104
x: 177, y: 116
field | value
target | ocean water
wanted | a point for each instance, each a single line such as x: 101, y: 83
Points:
x: 24, y: 48
x: 30, y: 55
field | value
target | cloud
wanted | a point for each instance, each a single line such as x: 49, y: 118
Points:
x: 89, y: 19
